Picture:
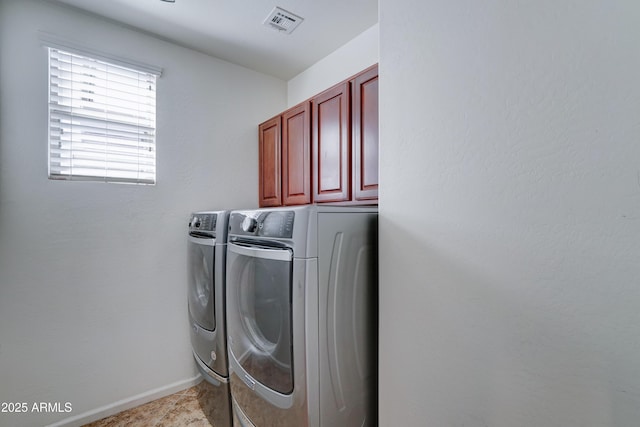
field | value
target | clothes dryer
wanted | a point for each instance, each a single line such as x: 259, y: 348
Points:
x: 206, y: 304
x: 302, y: 316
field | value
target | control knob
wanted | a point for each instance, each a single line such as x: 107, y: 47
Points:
x: 249, y: 224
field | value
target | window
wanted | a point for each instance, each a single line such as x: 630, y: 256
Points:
x: 102, y: 120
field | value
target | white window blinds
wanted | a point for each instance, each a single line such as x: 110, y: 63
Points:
x: 102, y: 120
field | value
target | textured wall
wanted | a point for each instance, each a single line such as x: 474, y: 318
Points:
x: 93, y: 276
x: 510, y: 213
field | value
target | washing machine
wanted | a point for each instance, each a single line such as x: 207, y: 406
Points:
x: 206, y: 304
x: 302, y: 316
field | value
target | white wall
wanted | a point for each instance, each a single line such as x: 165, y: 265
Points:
x: 510, y: 213
x: 350, y: 59
x: 93, y: 276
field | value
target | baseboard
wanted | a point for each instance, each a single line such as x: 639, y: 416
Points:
x: 128, y: 403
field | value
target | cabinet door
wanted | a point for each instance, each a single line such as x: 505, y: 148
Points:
x: 296, y: 156
x: 331, y: 145
x: 269, y: 161
x: 365, y: 135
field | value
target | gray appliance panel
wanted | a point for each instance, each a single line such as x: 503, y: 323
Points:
x: 214, y: 396
x: 347, y: 319
x: 334, y: 305
x: 210, y: 343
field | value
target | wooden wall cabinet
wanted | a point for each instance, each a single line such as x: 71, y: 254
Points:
x: 331, y: 145
x: 269, y: 165
x: 296, y: 156
x: 324, y: 150
x: 285, y: 158
x: 364, y: 116
x: 345, y: 141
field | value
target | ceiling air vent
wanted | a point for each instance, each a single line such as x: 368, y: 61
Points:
x: 283, y: 21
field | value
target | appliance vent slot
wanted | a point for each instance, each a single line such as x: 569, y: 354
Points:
x: 283, y: 21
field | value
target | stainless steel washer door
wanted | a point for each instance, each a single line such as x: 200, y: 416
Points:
x: 201, y: 282
x: 259, y: 314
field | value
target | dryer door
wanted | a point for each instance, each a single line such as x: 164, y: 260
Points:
x: 259, y: 313
x: 201, y: 281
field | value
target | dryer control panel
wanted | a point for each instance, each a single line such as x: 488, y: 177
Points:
x: 274, y: 224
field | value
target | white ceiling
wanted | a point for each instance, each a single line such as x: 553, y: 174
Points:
x: 233, y: 30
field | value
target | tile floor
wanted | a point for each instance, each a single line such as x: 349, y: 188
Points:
x: 185, y: 408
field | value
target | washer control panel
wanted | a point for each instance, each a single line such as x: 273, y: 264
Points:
x: 202, y: 222
x: 276, y: 224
